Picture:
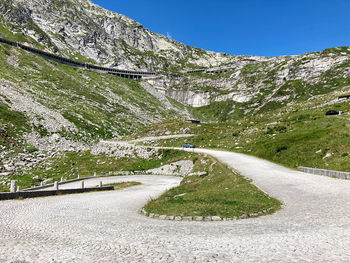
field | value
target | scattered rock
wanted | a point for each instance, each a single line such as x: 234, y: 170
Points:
x: 180, y: 168
x: 328, y: 155
x: 180, y: 195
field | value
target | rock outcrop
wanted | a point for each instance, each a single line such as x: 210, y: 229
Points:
x: 81, y: 28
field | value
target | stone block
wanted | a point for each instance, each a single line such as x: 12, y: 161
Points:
x: 216, y: 218
x: 162, y: 217
x: 178, y: 218
x: 253, y: 215
x: 187, y: 218
x: 13, y: 186
x: 198, y: 218
x: 243, y: 216
x: 156, y: 216
x: 207, y: 218
x: 170, y: 217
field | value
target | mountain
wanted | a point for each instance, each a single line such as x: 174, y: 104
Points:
x: 55, y: 106
x: 79, y: 28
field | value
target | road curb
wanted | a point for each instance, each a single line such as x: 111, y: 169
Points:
x: 204, y: 219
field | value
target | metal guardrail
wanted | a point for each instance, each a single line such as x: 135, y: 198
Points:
x: 330, y: 173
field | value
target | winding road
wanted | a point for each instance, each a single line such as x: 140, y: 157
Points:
x: 313, y: 226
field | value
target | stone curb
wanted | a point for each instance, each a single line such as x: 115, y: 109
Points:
x: 204, y: 219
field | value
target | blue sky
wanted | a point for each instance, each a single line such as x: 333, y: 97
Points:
x: 244, y: 27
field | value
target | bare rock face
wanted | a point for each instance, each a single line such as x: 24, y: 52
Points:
x: 259, y: 81
x: 79, y: 27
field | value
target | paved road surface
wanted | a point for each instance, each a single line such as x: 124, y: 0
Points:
x: 314, y: 226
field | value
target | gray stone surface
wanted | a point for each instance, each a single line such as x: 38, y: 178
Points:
x: 13, y: 186
x: 313, y: 226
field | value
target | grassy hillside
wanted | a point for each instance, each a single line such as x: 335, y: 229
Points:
x: 86, y: 105
x: 296, y: 135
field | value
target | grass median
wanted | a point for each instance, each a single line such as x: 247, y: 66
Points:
x: 219, y: 192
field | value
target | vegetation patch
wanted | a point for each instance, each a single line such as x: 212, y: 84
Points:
x: 220, y: 192
x: 296, y: 135
x: 69, y: 165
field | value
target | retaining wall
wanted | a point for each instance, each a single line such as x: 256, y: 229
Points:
x: 32, y: 194
x: 117, y: 72
x: 330, y: 173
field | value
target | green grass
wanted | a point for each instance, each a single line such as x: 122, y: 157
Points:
x: 71, y: 164
x: 100, y: 105
x: 12, y: 126
x: 298, y: 135
x: 221, y: 192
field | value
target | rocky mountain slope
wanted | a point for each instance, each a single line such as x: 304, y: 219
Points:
x: 252, y: 86
x: 84, y: 31
x: 79, y: 28
x: 49, y: 106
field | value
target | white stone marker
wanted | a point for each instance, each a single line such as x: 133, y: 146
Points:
x: 18, y: 188
x: 78, y: 176
x: 41, y: 183
x: 13, y: 186
x: 95, y: 174
x: 55, y: 185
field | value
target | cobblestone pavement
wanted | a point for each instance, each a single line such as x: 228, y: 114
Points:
x: 314, y: 225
